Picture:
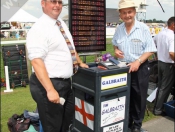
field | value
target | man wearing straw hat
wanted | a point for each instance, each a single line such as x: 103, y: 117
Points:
x: 133, y: 44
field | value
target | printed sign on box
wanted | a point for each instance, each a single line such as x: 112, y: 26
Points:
x: 114, y: 128
x: 113, y: 81
x: 112, y: 111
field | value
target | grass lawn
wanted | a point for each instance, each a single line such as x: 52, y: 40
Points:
x: 20, y: 99
x: 15, y: 103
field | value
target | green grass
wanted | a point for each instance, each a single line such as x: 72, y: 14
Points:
x: 15, y: 102
x: 150, y: 109
x: 20, y: 99
x: 109, y: 49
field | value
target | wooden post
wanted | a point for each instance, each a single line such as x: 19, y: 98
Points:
x: 29, y: 66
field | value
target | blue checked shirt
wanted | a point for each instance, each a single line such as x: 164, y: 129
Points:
x: 136, y: 43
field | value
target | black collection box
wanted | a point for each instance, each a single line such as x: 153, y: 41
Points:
x: 101, y: 99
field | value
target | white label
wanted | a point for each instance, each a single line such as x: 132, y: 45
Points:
x: 114, y: 128
x: 112, y: 111
x: 113, y: 81
x: 109, y: 64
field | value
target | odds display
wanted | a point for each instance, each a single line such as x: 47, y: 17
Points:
x: 88, y: 24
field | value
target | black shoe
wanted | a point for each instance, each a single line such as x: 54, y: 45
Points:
x: 129, y: 130
x: 159, y: 114
x: 142, y: 130
x: 135, y: 130
x: 138, y: 130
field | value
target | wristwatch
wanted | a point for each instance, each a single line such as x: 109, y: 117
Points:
x: 140, y: 60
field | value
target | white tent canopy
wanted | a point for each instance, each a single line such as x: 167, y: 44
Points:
x: 22, y: 16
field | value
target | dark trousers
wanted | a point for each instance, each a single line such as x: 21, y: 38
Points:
x: 54, y: 117
x: 165, y: 84
x: 138, y: 96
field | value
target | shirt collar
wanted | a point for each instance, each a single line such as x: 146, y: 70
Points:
x: 169, y: 30
x: 136, y: 24
x: 49, y: 20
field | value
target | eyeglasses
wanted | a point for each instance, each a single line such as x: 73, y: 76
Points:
x: 54, y: 2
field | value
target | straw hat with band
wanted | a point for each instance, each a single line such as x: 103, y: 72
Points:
x: 126, y: 4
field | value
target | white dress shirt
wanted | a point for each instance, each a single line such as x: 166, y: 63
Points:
x: 45, y: 41
x: 165, y: 44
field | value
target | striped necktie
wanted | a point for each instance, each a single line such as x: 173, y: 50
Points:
x: 72, y: 51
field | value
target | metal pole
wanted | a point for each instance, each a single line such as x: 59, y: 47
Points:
x: 7, y: 80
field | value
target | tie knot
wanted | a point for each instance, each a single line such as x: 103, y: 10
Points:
x: 58, y: 23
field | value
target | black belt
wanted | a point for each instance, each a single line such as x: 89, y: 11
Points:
x: 62, y: 79
x: 55, y: 78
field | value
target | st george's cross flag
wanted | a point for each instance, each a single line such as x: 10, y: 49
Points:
x: 84, y: 113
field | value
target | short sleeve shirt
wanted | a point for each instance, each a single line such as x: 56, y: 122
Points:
x: 133, y: 45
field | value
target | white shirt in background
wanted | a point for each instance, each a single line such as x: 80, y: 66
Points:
x: 165, y: 44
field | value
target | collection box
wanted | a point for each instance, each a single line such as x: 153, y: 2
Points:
x: 170, y: 108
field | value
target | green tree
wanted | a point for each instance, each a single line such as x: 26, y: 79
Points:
x: 154, y: 20
x: 149, y: 21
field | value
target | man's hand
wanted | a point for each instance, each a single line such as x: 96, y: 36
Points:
x: 119, y: 53
x: 83, y: 65
x: 53, y: 96
x: 134, y: 66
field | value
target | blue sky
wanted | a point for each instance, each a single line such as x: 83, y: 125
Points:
x: 153, y: 9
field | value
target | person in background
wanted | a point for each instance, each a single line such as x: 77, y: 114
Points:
x: 153, y: 30
x: 133, y: 44
x: 2, y: 34
x: 164, y: 27
x: 150, y: 30
x: 156, y: 30
x: 6, y: 34
x: 53, y: 67
x: 165, y: 52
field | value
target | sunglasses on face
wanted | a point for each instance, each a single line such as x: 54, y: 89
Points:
x: 54, y: 2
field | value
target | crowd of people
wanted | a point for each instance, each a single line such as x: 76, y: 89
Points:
x: 18, y: 31
x: 13, y: 34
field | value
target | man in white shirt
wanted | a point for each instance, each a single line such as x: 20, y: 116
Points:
x: 53, y: 66
x: 165, y: 52
x: 6, y: 34
x: 153, y: 33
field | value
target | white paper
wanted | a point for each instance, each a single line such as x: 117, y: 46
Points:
x: 112, y: 111
x: 152, y: 96
x: 122, y: 64
x: 114, y: 128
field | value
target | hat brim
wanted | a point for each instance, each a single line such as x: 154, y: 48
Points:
x: 126, y: 7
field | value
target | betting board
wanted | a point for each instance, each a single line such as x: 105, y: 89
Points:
x: 87, y: 24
